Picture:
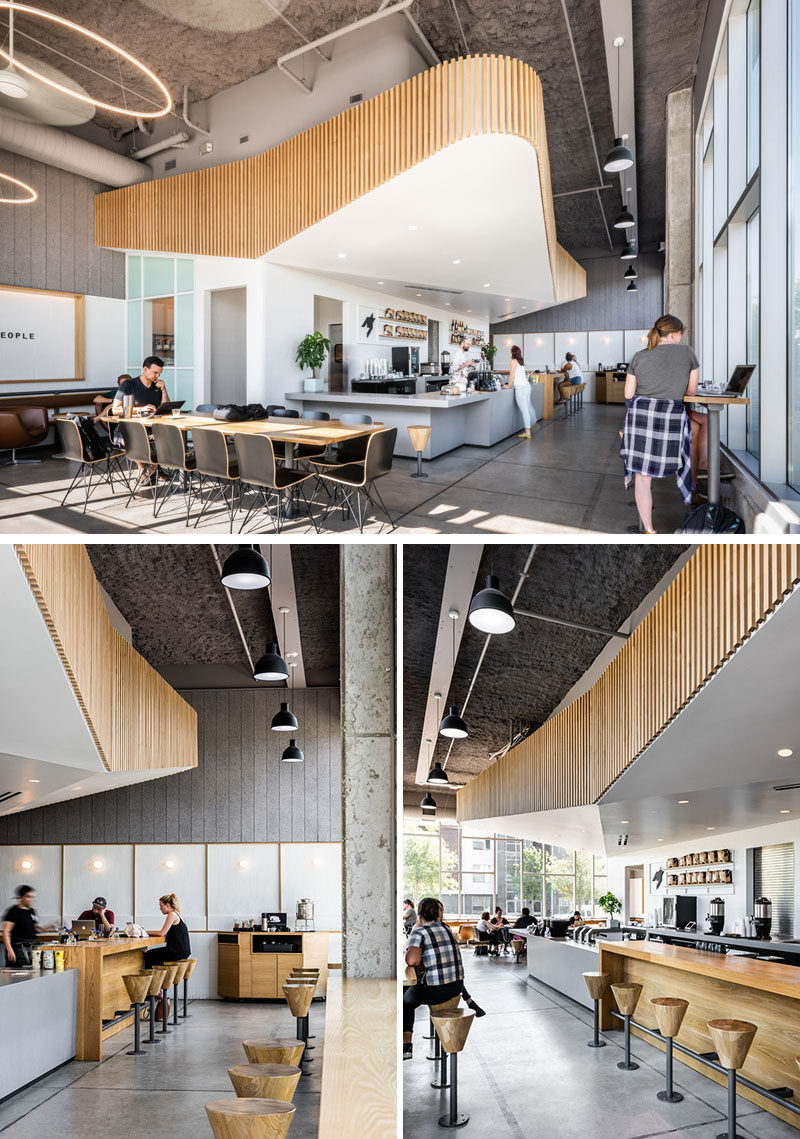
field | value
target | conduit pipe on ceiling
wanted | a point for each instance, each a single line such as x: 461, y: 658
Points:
x: 187, y: 120
x: 57, y: 148
x: 315, y: 45
x: 175, y: 141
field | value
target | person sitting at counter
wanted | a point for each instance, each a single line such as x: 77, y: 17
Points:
x: 571, y: 371
x: 576, y: 920
x: 487, y: 927
x: 524, y: 920
x: 148, y: 392
x: 502, y: 930
x: 434, y: 954
x: 409, y: 915
x: 102, y: 917
x: 20, y: 927
x: 463, y: 359
x: 175, y: 931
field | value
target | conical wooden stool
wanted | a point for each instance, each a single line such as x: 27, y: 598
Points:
x: 732, y: 1040
x: 299, y: 995
x: 670, y: 1012
x: 156, y: 977
x: 190, y: 964
x: 596, y: 983
x: 419, y: 435
x: 275, y: 1050
x: 249, y: 1118
x: 177, y: 977
x: 306, y: 974
x: 265, y: 1081
x: 137, y: 986
x: 627, y: 997
x: 439, y: 1056
x: 452, y: 1029
x: 169, y: 968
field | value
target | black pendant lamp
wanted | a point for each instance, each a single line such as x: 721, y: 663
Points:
x: 246, y: 568
x: 428, y: 805
x: 625, y: 219
x: 630, y: 274
x: 271, y: 665
x: 284, y: 720
x: 619, y: 157
x: 490, y: 610
x: 292, y: 754
x: 437, y: 773
x: 632, y: 287
x: 452, y: 726
x: 630, y: 252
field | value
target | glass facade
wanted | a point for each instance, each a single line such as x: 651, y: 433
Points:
x: 473, y: 872
x: 794, y: 255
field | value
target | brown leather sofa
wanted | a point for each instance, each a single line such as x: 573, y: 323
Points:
x: 22, y: 427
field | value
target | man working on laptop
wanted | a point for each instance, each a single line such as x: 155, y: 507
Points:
x: 147, y: 389
x: 102, y: 917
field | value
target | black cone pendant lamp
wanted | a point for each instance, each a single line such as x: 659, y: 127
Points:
x: 625, y: 219
x: 619, y: 157
x: 630, y: 252
x: 272, y: 666
x: 292, y: 754
x: 452, y: 726
x: 632, y: 287
x: 437, y: 773
x: 246, y: 568
x: 428, y: 805
x: 630, y: 274
x: 284, y: 720
x: 490, y: 610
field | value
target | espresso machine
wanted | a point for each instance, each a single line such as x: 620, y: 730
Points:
x: 444, y: 362
x: 762, y: 918
x: 716, y: 916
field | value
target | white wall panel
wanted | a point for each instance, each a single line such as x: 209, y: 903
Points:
x: 203, y: 982
x: 539, y: 350
x: 44, y: 875
x: 187, y: 879
x: 502, y: 360
x: 234, y: 892
x: 113, y: 881
x: 635, y: 341
x: 575, y: 342
x: 334, y: 949
x: 313, y: 870
x: 605, y: 348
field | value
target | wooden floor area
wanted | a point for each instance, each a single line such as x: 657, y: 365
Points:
x: 359, y: 1075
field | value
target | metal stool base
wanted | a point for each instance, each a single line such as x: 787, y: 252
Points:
x: 673, y: 1097
x: 421, y: 476
x: 461, y: 1119
x: 598, y: 1044
x: 623, y: 1067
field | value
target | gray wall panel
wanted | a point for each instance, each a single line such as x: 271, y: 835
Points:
x: 49, y: 244
x: 607, y: 304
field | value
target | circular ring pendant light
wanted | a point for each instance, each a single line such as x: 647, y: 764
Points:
x: 130, y: 112
x: 22, y: 185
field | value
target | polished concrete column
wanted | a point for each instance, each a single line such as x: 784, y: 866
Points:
x: 679, y: 228
x: 369, y: 765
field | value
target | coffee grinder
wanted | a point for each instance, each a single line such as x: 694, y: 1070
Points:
x: 762, y: 918
x: 716, y: 916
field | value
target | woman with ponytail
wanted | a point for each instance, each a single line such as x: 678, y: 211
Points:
x: 657, y: 437
x: 175, y: 931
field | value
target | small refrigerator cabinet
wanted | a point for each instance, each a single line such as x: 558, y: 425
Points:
x: 255, y: 964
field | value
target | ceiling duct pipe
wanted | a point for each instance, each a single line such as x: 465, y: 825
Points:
x: 67, y: 152
x: 174, y: 141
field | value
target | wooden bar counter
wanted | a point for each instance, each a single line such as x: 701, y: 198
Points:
x: 716, y: 986
x: 101, y: 965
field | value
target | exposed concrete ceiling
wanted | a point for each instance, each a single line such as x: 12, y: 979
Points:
x: 525, y: 674
x: 183, y: 625
x: 211, y: 47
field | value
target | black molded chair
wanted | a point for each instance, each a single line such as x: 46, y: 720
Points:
x: 73, y: 448
x: 215, y: 461
x: 285, y: 413
x: 273, y: 408
x: 355, y: 417
x: 261, y: 474
x: 176, y: 457
x: 357, y: 480
x: 138, y: 449
x: 312, y: 450
x: 310, y: 413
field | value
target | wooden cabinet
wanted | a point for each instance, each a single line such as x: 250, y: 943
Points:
x: 254, y: 964
x: 610, y: 387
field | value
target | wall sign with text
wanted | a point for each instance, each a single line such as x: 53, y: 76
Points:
x: 41, y: 336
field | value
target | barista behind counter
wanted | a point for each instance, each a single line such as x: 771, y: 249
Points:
x: 463, y: 360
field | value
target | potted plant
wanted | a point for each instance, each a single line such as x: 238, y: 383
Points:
x: 311, y: 352
x: 489, y: 352
x: 610, y: 904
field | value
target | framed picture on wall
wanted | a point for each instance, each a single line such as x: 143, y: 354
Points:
x: 368, y: 327
x: 656, y: 877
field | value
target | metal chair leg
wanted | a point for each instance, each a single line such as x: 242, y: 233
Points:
x: 152, y: 1038
x: 137, y: 1030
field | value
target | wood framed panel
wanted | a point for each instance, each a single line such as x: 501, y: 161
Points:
x: 79, y: 326
x: 711, y: 608
x: 249, y: 207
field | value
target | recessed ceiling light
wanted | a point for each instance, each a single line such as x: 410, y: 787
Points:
x: 469, y: 310
x: 457, y: 261
x: 380, y: 282
x: 508, y: 300
x: 659, y: 840
x: 711, y: 828
x: 624, y: 820
x: 419, y: 294
x: 34, y: 781
x: 785, y: 752
x: 447, y: 304
x: 785, y: 812
x: 412, y: 227
x: 486, y: 286
x: 341, y: 255
x: 683, y: 800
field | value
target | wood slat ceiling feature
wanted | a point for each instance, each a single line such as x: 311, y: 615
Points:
x: 716, y: 602
x: 250, y: 207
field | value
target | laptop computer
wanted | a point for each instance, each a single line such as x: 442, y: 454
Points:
x: 169, y: 407
x: 83, y: 928
x: 739, y: 379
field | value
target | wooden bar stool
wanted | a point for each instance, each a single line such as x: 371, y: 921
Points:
x: 265, y: 1081
x: 177, y: 977
x: 596, y: 983
x: 190, y: 964
x: 306, y: 974
x: 155, y: 976
x: 447, y: 1008
x: 452, y: 1029
x: 273, y: 1050
x: 670, y: 1012
x: 250, y: 1118
x: 298, y: 997
x: 166, y: 983
x: 732, y: 1040
x: 137, y: 986
x: 627, y: 997
x: 419, y: 434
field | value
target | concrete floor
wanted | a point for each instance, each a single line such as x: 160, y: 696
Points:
x: 164, y: 1092
x: 526, y: 1072
x: 567, y: 479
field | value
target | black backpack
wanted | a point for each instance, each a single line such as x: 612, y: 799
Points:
x: 94, y: 446
x: 239, y: 413
x: 711, y: 519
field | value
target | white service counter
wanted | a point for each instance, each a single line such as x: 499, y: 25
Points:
x: 39, y: 1015
x: 479, y: 419
x: 561, y: 963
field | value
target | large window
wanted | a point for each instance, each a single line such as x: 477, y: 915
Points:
x: 473, y: 872
x: 753, y: 328
x: 794, y: 271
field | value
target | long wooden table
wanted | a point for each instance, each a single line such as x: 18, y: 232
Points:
x: 102, y: 994
x: 717, y: 986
